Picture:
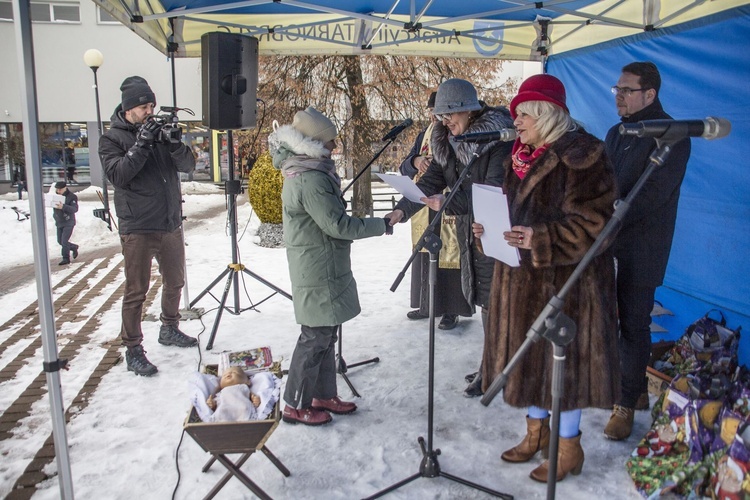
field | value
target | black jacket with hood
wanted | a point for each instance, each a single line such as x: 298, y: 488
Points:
x: 448, y: 162
x: 146, y: 179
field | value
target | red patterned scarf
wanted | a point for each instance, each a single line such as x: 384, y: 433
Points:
x: 524, y: 157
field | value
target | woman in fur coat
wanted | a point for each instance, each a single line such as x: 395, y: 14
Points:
x: 461, y: 112
x: 561, y: 193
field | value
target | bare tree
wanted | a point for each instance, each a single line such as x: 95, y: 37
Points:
x: 365, y: 96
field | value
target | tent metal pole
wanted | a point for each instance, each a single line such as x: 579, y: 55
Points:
x: 52, y: 365
x: 187, y: 313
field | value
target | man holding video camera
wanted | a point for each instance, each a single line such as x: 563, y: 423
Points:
x: 143, y: 161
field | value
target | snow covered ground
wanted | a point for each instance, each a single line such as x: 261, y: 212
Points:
x: 126, y: 442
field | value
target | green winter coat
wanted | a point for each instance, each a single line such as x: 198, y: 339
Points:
x: 318, y: 234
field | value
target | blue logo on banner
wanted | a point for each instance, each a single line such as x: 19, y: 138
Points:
x: 492, y: 30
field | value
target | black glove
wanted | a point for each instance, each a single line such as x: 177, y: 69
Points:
x: 175, y: 139
x: 147, y: 134
x: 388, y: 227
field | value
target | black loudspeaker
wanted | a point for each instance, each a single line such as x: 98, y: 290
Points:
x: 230, y: 80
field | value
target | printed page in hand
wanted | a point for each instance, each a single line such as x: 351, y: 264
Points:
x: 491, y: 211
x: 403, y: 185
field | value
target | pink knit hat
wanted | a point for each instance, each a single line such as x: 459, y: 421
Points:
x: 540, y: 88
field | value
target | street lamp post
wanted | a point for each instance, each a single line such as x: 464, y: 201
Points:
x: 94, y: 59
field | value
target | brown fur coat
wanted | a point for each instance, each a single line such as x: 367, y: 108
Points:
x: 567, y: 197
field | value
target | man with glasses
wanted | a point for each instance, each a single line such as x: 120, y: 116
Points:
x: 643, y: 244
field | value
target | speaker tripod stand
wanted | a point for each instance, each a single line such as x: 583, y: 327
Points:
x: 233, y: 270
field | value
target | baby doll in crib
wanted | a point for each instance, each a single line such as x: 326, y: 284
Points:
x: 234, y: 401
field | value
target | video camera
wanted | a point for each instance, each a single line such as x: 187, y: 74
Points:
x: 170, y: 131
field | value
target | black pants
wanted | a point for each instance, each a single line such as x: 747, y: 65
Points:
x: 312, y: 372
x: 63, y: 238
x: 634, y: 304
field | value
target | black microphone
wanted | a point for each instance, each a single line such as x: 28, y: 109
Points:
x: 503, y: 135
x: 710, y: 128
x: 397, y: 129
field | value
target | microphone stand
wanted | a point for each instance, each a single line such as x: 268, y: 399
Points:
x: 341, y: 366
x: 377, y: 155
x: 558, y: 328
x: 429, y: 467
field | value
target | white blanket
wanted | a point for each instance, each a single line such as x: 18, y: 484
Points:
x: 233, y: 403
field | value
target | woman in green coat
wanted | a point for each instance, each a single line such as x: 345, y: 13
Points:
x: 318, y: 235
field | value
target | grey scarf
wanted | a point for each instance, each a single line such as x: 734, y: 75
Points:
x: 295, y: 165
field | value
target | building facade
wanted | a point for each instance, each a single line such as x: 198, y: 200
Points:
x: 62, y: 32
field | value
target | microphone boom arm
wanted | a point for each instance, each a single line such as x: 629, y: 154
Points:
x: 364, y: 169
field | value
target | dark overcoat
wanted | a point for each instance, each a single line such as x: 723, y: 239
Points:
x: 567, y: 198
x: 643, y: 244
x: 448, y: 162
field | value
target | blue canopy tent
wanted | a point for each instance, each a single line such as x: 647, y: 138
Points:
x: 705, y: 72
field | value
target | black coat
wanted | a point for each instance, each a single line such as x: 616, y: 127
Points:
x: 447, y: 164
x: 643, y: 244
x: 66, y: 216
x: 146, y: 179
x: 407, y: 166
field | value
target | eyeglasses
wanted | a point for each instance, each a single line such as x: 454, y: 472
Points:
x: 443, y: 116
x: 625, y: 91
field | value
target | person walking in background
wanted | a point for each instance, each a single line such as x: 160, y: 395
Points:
x: 70, y: 162
x: 644, y: 242
x: 318, y: 234
x: 561, y: 191
x: 64, y: 214
x: 144, y: 170
x: 449, y: 299
x: 20, y: 183
x: 460, y: 111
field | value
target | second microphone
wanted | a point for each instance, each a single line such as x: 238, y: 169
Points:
x: 502, y: 135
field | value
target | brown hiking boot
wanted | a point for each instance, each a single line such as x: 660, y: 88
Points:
x: 620, y: 423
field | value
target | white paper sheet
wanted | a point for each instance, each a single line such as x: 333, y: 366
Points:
x: 50, y: 199
x: 491, y: 211
x: 403, y: 185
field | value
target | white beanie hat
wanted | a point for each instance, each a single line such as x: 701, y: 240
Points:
x: 315, y: 125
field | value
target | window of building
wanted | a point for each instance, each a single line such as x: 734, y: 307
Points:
x: 104, y: 17
x: 6, y: 11
x: 66, y: 13
x: 64, y: 149
x: 45, y: 12
x: 11, y: 151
